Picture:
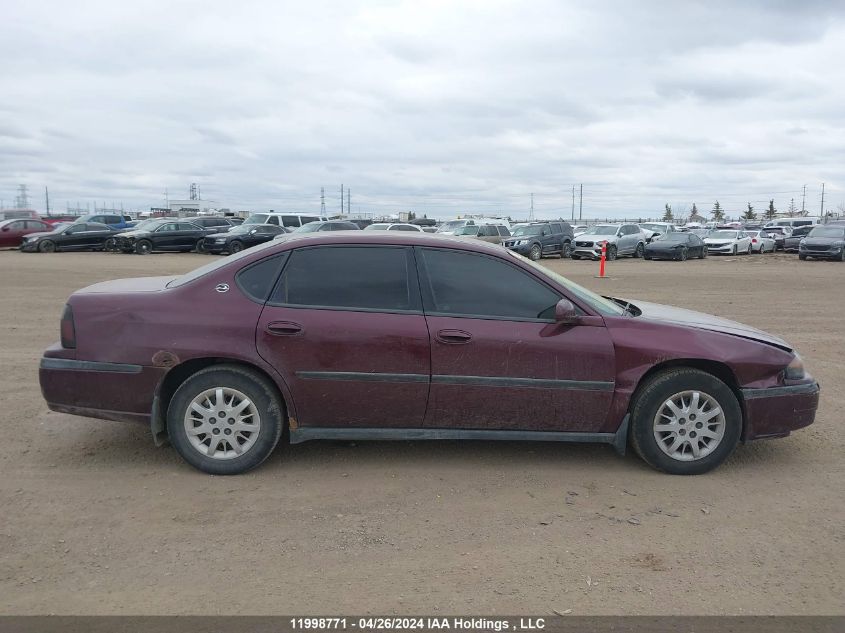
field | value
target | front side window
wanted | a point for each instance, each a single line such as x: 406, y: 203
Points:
x: 167, y: 228
x: 503, y: 231
x: 348, y: 277
x: 474, y: 285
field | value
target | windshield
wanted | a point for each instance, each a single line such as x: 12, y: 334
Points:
x: 674, y: 236
x: 752, y: 233
x: 723, y: 235
x: 603, y: 306
x: 237, y: 230
x: 655, y: 227
x: 828, y: 231
x: 258, y: 218
x: 602, y: 229
x: 376, y: 227
x: 451, y: 225
x: 533, y: 229
x: 145, y: 224
x: 467, y: 230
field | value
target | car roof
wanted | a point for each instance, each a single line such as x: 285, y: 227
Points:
x: 394, y: 238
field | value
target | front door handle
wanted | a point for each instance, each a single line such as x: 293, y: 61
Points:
x: 284, y: 328
x: 453, y: 337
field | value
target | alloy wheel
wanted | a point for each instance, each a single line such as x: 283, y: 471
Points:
x: 689, y: 425
x: 222, y: 423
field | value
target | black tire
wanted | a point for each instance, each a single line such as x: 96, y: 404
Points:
x: 144, y: 247
x: 611, y: 252
x: 647, y: 257
x: 684, y: 254
x: 200, y: 247
x: 255, y: 387
x: 573, y: 256
x: 749, y: 251
x: 733, y: 251
x: 650, y: 398
x: 640, y: 250
x: 47, y: 246
x: 236, y: 246
x: 110, y: 245
x: 802, y: 256
x: 842, y: 255
x: 565, y: 250
x: 535, y: 253
x: 703, y: 253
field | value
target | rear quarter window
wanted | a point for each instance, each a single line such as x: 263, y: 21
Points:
x: 257, y: 280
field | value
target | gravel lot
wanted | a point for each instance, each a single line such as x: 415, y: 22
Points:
x: 96, y: 520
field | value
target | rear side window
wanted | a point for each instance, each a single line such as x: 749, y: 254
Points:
x: 472, y: 285
x: 257, y: 280
x: 557, y: 228
x: 113, y: 219
x: 348, y: 277
x: 503, y: 231
x: 291, y: 220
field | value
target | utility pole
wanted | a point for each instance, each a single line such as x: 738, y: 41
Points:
x: 822, y: 213
x: 341, y: 198
x: 531, y: 213
x: 573, y: 203
x: 322, y: 201
x: 348, y: 201
x: 47, y: 199
x: 803, y: 197
x: 581, y: 203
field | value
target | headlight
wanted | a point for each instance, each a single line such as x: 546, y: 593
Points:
x: 795, y: 369
x: 519, y: 242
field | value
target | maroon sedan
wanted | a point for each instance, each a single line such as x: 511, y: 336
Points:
x: 368, y: 335
x: 12, y: 232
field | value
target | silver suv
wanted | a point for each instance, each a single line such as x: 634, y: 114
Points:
x: 622, y: 239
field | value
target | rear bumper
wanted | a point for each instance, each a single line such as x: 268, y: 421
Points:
x: 777, y: 411
x: 108, y: 391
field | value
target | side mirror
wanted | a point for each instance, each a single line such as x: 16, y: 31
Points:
x: 565, y: 312
x: 5, y: 228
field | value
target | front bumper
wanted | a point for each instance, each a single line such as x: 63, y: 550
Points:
x: 777, y: 411
x: 211, y: 246
x: 834, y: 252
x: 29, y: 247
x: 522, y: 249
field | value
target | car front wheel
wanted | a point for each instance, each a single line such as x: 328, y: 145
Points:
x: 144, y: 247
x: 225, y: 419
x: 611, y: 252
x: 640, y: 250
x: 685, y: 421
x: 535, y: 253
x: 236, y: 246
x: 47, y: 246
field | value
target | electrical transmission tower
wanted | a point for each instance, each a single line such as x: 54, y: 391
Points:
x: 322, y: 201
x: 531, y: 212
x: 194, y: 191
x: 22, y: 199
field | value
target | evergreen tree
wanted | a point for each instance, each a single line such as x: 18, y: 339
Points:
x: 667, y: 213
x: 771, y: 211
x: 793, y: 210
x: 694, y: 209
x: 718, y: 214
x: 750, y: 215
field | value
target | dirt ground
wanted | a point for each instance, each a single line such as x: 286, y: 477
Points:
x: 95, y: 520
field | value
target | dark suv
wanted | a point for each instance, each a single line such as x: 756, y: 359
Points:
x: 540, y: 239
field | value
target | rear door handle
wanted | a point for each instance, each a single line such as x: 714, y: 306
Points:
x: 453, y: 337
x: 284, y: 328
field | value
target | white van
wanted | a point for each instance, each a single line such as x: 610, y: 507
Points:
x: 287, y: 220
x: 795, y: 222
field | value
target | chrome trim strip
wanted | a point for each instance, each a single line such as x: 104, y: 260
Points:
x: 329, y: 433
x: 88, y: 365
x: 788, y: 390
x: 536, y: 383
x: 361, y: 376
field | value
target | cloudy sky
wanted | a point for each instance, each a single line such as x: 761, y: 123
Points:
x: 441, y: 107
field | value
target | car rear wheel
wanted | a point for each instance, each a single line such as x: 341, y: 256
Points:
x: 144, y: 247
x: 748, y: 252
x: 535, y: 253
x: 685, y: 421
x: 225, y: 420
x: 236, y: 246
x: 573, y: 256
x: 802, y: 257
x: 47, y: 246
x: 200, y: 247
x: 684, y: 254
x: 733, y: 250
x: 110, y: 245
x: 703, y: 253
x: 640, y: 250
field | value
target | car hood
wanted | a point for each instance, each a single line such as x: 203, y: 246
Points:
x: 135, y: 284
x: 689, y: 318
x: 720, y: 240
x: 599, y: 238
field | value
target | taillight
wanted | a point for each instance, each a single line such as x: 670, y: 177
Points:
x: 754, y: 240
x: 68, y: 329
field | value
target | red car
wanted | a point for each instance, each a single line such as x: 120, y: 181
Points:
x: 399, y: 335
x: 12, y: 232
